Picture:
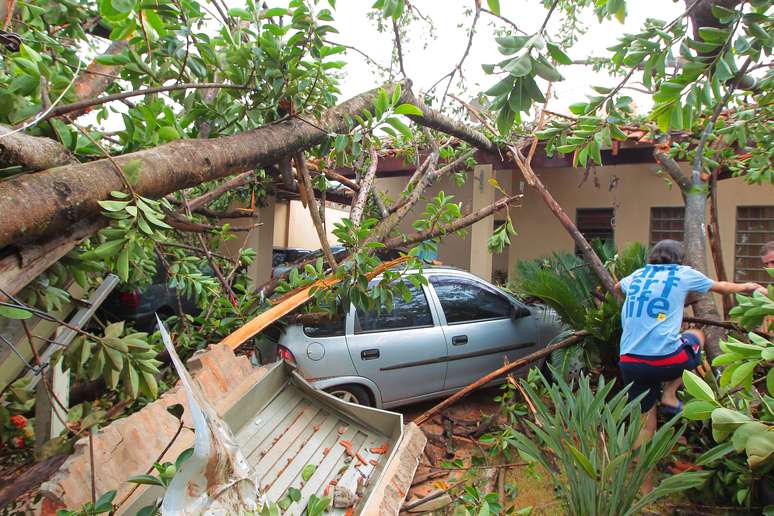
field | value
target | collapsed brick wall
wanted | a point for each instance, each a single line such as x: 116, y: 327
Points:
x: 129, y: 446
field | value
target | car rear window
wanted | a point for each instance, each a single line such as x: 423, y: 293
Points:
x: 414, y: 314
x: 328, y: 328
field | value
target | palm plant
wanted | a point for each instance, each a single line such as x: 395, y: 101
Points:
x: 587, y: 443
x: 567, y: 284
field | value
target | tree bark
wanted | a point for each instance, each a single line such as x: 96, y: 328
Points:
x: 713, y: 234
x: 235, y: 182
x: 306, y: 185
x: 97, y: 77
x: 56, y: 199
x: 31, y: 152
x: 365, y: 187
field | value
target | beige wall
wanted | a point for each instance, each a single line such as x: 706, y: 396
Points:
x: 259, y: 237
x: 636, y: 189
x: 293, y: 226
x: 453, y: 250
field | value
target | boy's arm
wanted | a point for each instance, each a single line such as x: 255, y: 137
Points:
x: 727, y: 287
x: 618, y: 289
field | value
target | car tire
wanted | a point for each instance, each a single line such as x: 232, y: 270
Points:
x: 356, y: 394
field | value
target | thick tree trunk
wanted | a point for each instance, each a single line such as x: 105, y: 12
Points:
x: 57, y: 198
x: 31, y: 152
x: 696, y: 257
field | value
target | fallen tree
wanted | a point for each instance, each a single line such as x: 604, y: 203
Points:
x: 73, y: 191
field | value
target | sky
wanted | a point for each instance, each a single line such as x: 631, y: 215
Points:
x: 428, y: 59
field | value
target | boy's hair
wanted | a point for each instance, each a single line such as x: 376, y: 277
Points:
x: 767, y: 248
x: 667, y: 252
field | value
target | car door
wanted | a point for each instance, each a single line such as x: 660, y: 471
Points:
x: 479, y: 327
x: 403, y: 351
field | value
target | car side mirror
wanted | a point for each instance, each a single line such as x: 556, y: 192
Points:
x: 519, y: 311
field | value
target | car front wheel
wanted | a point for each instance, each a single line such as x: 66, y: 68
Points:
x: 351, y: 394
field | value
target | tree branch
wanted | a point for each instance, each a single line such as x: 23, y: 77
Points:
x: 399, y: 48
x: 671, y: 167
x: 87, y: 103
x: 306, y: 184
x: 235, y: 182
x: 32, y: 153
x: 461, y: 223
x: 366, y: 183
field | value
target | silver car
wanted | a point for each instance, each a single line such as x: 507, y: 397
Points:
x: 454, y: 330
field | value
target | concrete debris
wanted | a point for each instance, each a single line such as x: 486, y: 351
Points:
x: 216, y: 479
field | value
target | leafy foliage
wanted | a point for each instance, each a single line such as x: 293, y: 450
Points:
x: 567, y: 284
x: 587, y: 443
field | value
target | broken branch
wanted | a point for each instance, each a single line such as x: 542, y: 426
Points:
x: 365, y: 187
x: 532, y: 357
x: 306, y: 185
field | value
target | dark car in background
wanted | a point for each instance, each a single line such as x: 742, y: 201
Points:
x: 139, y: 306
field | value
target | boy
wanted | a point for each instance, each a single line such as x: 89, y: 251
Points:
x: 653, y: 351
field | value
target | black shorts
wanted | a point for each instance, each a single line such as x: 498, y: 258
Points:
x: 646, y: 373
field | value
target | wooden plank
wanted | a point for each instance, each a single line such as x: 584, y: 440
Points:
x: 297, y: 299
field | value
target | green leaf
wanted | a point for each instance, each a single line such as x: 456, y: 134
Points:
x: 578, y: 108
x: 408, y: 109
x: 109, y: 248
x: 27, y: 66
x: 744, y: 432
x: 294, y: 494
x: 511, y: 44
x: 520, y: 66
x: 168, y: 133
x: 743, y: 373
x: 113, y: 59
x: 760, y: 450
x: 113, y: 205
x: 582, y: 460
x: 697, y: 387
x: 10, y: 312
x: 501, y: 87
x: 147, y: 480
x: 558, y: 54
x: 399, y: 126
x: 123, y: 6
x: 546, y: 71
x: 122, y: 264
x: 713, y: 34
x: 494, y: 6
x: 714, y: 454
x: 308, y: 471
x: 698, y: 410
x: 505, y: 120
x: 727, y: 420
x: 105, y: 502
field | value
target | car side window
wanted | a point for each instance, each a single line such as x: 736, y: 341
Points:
x: 326, y: 328
x: 414, y: 314
x: 466, y: 300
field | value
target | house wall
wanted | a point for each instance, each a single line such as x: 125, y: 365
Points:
x: 293, y: 226
x: 453, y: 250
x: 632, y: 190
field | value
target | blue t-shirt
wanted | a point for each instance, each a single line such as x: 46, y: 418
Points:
x: 653, y: 310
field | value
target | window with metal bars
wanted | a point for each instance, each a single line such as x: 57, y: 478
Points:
x: 595, y: 224
x: 754, y: 227
x: 666, y: 223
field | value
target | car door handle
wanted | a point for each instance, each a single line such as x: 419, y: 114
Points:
x: 459, y: 340
x: 369, y: 354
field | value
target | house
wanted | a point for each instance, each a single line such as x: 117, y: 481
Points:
x: 625, y: 200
